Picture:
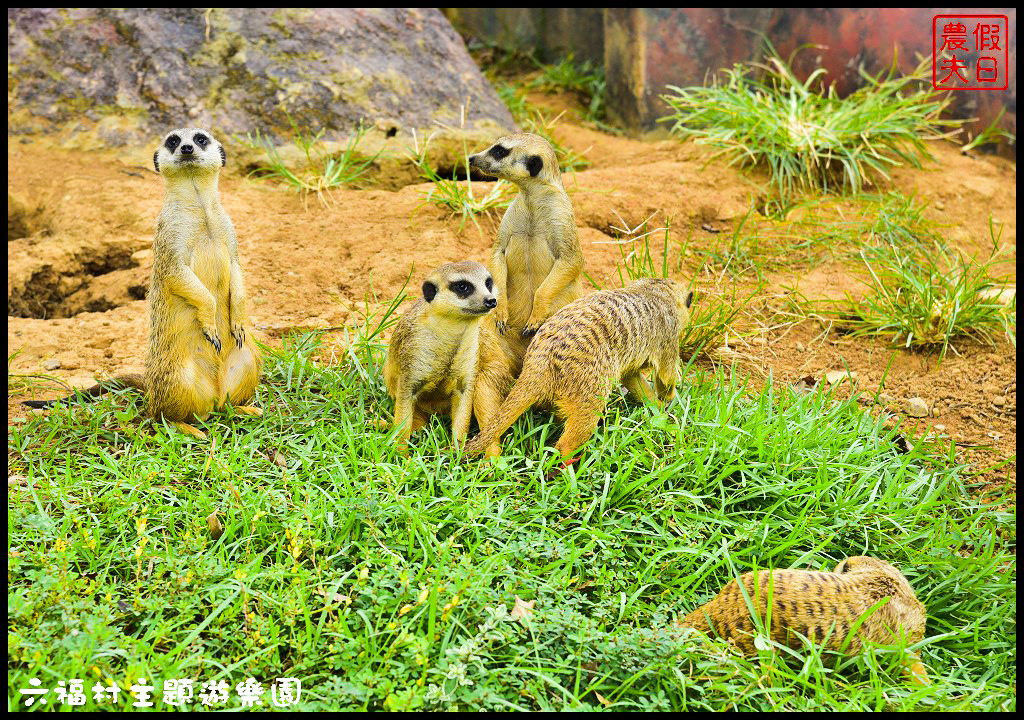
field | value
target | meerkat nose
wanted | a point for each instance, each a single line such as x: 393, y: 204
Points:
x: 490, y: 302
x: 186, y: 149
x: 472, y: 159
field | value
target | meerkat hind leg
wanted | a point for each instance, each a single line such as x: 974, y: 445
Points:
x: 241, y: 375
x: 638, y: 388
x: 189, y: 429
x: 580, y: 424
x: 248, y: 410
x: 486, y: 402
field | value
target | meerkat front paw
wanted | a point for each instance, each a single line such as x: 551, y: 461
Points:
x: 531, y: 329
x: 213, y: 337
x: 238, y: 333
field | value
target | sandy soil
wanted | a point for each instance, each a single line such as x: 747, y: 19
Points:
x: 79, y: 257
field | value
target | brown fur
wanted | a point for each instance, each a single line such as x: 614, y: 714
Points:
x: 537, y: 263
x: 823, y: 607
x: 588, y: 347
x: 433, y: 356
x: 200, y: 356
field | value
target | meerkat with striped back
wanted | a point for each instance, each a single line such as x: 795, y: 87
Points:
x: 587, y: 348
x: 863, y: 600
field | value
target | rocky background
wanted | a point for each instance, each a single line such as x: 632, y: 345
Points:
x: 123, y: 76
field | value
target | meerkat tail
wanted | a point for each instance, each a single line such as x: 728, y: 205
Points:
x: 130, y: 380
x: 523, y: 395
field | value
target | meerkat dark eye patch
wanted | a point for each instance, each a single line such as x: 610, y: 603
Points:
x: 200, y: 139
x: 429, y: 291
x: 462, y: 288
x: 488, y: 283
x: 172, y: 142
x: 534, y: 164
x: 499, y: 152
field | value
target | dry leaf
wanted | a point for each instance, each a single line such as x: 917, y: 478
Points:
x: 213, y: 522
x: 602, y: 699
x: 835, y: 376
x: 522, y: 610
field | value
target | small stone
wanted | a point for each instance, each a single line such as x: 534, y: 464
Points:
x: 834, y: 376
x: 51, y: 364
x: 998, y: 400
x: 939, y: 427
x: 17, y: 421
x: 940, y: 206
x: 915, y: 407
x: 258, y: 301
x: 108, y: 353
x: 800, y: 347
x: 37, y: 412
x: 884, y: 399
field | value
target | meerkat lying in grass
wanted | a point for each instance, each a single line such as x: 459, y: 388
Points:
x: 862, y: 600
x: 200, y: 354
x: 537, y: 263
x: 432, y: 360
x: 588, y: 347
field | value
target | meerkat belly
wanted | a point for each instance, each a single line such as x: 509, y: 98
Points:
x: 211, y: 262
x: 529, y: 261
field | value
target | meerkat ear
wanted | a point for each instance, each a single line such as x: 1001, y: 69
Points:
x: 534, y: 164
x: 429, y: 291
x: 223, y: 157
x: 156, y: 160
x: 843, y: 566
x: 689, y: 299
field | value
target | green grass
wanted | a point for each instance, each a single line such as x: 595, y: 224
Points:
x: 806, y: 136
x: 583, y: 79
x: 993, y: 135
x: 386, y: 582
x: 920, y: 291
x: 322, y: 169
x: 459, y: 196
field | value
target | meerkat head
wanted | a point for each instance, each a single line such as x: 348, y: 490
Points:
x: 520, y: 158
x: 189, y: 150
x: 863, y: 563
x: 462, y: 289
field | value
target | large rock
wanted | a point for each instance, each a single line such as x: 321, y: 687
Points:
x: 127, y: 75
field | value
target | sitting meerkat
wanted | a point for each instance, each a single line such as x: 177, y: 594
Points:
x: 432, y: 359
x: 823, y: 607
x: 537, y: 263
x: 200, y: 356
x: 587, y: 348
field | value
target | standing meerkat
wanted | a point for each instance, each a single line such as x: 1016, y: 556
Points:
x: 537, y: 263
x: 585, y: 349
x: 823, y: 607
x: 432, y: 358
x: 200, y: 355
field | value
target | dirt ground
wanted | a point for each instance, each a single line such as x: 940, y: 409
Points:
x: 80, y: 229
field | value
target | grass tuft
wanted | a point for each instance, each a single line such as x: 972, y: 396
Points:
x: 322, y: 169
x: 806, y: 136
x: 459, y: 196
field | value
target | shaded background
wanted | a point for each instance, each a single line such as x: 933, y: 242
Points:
x: 645, y: 49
